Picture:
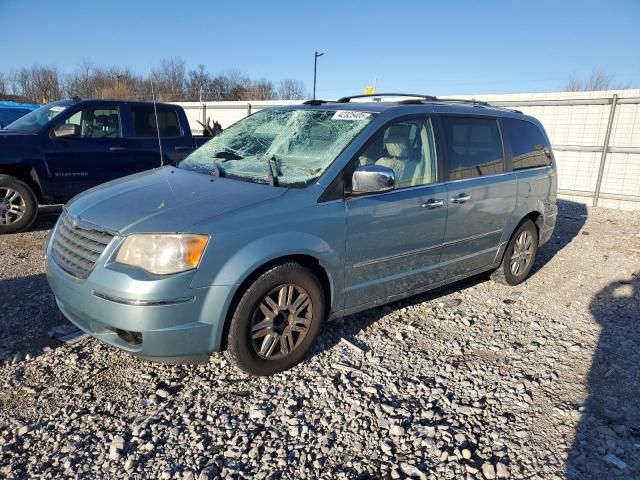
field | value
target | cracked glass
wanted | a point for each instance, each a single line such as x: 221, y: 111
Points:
x: 284, y: 147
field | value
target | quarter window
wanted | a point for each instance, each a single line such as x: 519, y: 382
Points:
x: 407, y: 148
x: 527, y: 144
x: 473, y: 147
x: 97, y: 122
x: 144, y: 122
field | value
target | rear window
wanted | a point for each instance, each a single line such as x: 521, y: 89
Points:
x: 474, y: 147
x: 527, y: 144
x: 144, y: 122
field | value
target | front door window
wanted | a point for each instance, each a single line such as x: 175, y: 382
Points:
x: 97, y: 122
x: 407, y: 148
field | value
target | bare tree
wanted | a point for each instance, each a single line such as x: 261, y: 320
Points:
x: 171, y: 79
x: 598, y: 80
x: 261, y: 90
x: 290, y: 89
x: 81, y: 82
x: 38, y: 84
x: 170, y: 82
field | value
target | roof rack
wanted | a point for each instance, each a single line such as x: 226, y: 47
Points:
x: 416, y: 98
x: 473, y: 101
x: 424, y: 97
x: 317, y: 102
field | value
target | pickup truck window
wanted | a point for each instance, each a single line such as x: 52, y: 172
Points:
x: 282, y: 147
x: 34, y: 121
x: 144, y: 121
x: 97, y: 122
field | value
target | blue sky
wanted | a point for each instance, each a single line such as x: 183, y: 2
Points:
x: 447, y: 47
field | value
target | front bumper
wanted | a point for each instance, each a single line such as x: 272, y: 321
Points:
x: 173, y: 324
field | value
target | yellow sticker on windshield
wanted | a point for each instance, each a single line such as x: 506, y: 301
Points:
x: 350, y: 115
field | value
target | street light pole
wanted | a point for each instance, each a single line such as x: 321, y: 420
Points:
x: 315, y: 68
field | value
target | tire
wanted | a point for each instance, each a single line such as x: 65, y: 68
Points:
x: 515, y: 267
x: 280, y: 342
x: 18, y: 205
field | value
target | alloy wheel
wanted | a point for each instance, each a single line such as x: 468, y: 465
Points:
x: 12, y: 206
x: 281, y: 321
x: 522, y: 253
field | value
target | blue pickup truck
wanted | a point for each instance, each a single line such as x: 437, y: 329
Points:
x: 59, y: 150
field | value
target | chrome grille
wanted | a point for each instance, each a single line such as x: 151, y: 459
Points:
x: 77, y: 248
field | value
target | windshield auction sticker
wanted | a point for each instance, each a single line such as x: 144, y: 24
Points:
x: 350, y: 115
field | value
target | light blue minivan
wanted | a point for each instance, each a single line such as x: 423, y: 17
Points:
x: 300, y: 214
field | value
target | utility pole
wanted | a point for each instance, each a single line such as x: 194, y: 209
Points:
x: 315, y: 68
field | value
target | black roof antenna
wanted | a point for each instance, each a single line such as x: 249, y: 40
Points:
x: 155, y: 112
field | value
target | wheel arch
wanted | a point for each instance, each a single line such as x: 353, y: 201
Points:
x: 26, y: 174
x: 309, y: 261
x: 533, y: 214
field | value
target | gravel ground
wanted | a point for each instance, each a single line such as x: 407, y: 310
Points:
x: 474, y: 381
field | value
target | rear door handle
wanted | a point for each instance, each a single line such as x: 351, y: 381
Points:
x: 117, y: 149
x: 431, y: 203
x: 461, y: 198
x: 182, y: 148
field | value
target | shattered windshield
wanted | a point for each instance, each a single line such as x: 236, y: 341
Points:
x: 279, y: 147
x: 34, y: 121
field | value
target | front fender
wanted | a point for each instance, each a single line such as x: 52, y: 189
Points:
x: 266, y: 249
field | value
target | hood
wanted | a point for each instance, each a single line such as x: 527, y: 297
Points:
x: 166, y: 200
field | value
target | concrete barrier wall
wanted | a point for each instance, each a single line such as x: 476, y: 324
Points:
x: 598, y: 154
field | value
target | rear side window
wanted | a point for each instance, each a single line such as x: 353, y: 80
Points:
x: 474, y: 147
x: 527, y: 144
x: 144, y: 122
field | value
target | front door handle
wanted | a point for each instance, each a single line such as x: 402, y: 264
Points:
x: 117, y: 149
x: 431, y: 203
x: 463, y: 197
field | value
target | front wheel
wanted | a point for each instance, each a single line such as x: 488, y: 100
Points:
x: 519, y: 255
x: 276, y: 320
x: 18, y: 205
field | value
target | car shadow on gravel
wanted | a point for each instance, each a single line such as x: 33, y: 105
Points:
x: 27, y: 312
x: 571, y: 218
x: 607, y: 439
x: 47, y: 218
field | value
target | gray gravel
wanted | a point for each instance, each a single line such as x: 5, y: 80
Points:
x: 474, y: 381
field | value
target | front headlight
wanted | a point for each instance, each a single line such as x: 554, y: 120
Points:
x: 162, y: 254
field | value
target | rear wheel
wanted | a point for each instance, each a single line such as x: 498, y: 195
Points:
x: 276, y: 320
x: 18, y: 205
x: 519, y: 255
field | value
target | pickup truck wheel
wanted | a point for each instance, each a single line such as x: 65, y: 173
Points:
x: 519, y: 255
x: 276, y: 321
x: 18, y: 205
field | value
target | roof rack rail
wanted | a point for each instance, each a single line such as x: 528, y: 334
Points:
x: 473, y: 101
x: 375, y: 95
x: 316, y: 102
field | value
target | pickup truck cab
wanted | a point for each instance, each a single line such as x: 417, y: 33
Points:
x: 53, y: 153
x: 298, y: 214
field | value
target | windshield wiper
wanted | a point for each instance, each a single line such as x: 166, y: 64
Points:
x: 272, y: 175
x: 226, y: 155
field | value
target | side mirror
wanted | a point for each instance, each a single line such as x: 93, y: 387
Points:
x: 372, y: 179
x: 66, y: 130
